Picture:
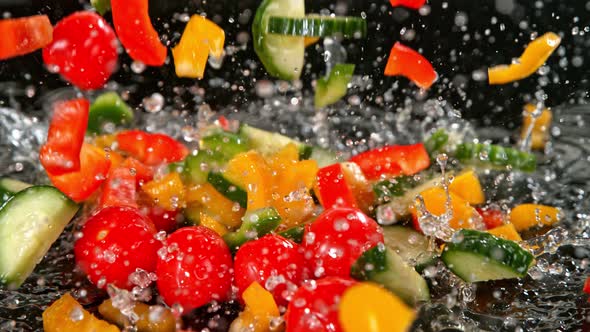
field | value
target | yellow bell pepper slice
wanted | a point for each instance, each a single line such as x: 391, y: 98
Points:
x: 167, y: 192
x: 525, y: 216
x: 533, y: 57
x: 467, y: 186
x: 66, y: 315
x: 200, y: 38
x: 260, y: 310
x: 435, y: 200
x: 163, y: 321
x: 507, y: 232
x: 368, y: 307
x: 210, y: 222
x: 359, y: 185
x: 250, y: 172
x: 540, y: 130
x: 291, y: 195
x: 308, y: 41
x: 215, y: 205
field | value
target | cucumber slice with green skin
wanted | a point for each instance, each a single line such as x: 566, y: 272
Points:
x: 101, y: 6
x: 228, y: 189
x: 255, y: 224
x: 332, y: 88
x: 383, y: 266
x: 225, y: 143
x: 29, y: 223
x: 436, y: 142
x: 282, y: 56
x: 318, y: 26
x: 496, y: 156
x: 9, y: 187
x: 108, y: 108
x: 479, y: 256
x: 196, y: 168
x: 294, y: 234
x: 385, y: 190
x: 412, y: 246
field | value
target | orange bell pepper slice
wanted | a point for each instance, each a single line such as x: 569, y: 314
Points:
x: 167, y: 192
x: 435, y: 200
x: 66, y: 314
x: 525, y: 216
x: 540, y: 130
x: 260, y: 309
x: 533, y: 57
x: 215, y: 205
x: 250, y: 171
x: 467, y: 186
x: 24, y: 35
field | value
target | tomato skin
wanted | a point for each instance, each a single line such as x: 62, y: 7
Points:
x: 36, y: 30
x: 492, y: 217
x: 336, y: 239
x: 151, y: 149
x: 196, y: 269
x: 83, y: 50
x: 163, y: 220
x: 314, y: 307
x: 270, y: 255
x: 115, y: 242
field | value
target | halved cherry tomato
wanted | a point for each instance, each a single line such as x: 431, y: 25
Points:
x: 413, y: 4
x: 314, y: 307
x: 94, y: 168
x: 61, y: 153
x: 393, y: 160
x: 115, y: 242
x: 196, y: 269
x: 83, y: 50
x: 135, y: 30
x: 406, y: 62
x: 24, y: 35
x: 274, y: 262
x: 336, y: 239
x: 492, y: 217
x: 151, y: 149
x: 332, y: 188
x: 119, y: 189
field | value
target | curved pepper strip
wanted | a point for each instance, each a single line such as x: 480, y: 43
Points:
x: 200, y: 38
x: 151, y: 149
x: 406, y: 62
x: 533, y: 57
x: 24, y: 35
x: 539, y: 133
x: 413, y: 4
x: 393, y: 160
x: 136, y: 33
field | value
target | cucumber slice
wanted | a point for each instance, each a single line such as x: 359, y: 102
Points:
x: 436, y: 142
x: 9, y: 187
x: 108, y: 108
x: 412, y: 246
x: 29, y: 223
x: 282, y: 56
x: 101, y: 6
x: 383, y: 266
x: 332, y: 88
x: 318, y: 26
x: 225, y: 143
x: 196, y: 168
x: 228, y: 189
x: 254, y: 225
x: 496, y: 156
x: 324, y: 157
x: 480, y: 256
x: 294, y: 234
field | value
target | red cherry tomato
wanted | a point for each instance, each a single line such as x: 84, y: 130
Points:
x: 196, y: 269
x: 83, y: 50
x: 314, y: 307
x: 492, y: 217
x: 115, y: 242
x: 271, y: 256
x: 163, y: 220
x: 336, y: 239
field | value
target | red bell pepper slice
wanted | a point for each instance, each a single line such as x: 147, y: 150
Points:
x: 151, y: 149
x: 94, y: 168
x: 393, y: 160
x: 24, y: 35
x: 587, y: 286
x: 142, y: 172
x: 119, y: 189
x: 406, y: 62
x: 61, y: 153
x: 136, y: 32
x: 332, y: 188
x: 413, y: 4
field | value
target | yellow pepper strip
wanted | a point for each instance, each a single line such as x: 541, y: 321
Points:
x: 210, y: 222
x: 533, y: 57
x: 308, y: 41
x: 284, y: 158
x: 507, y: 232
x: 370, y: 308
x: 291, y: 196
x: 200, y: 38
x: 66, y: 314
x: 105, y: 141
x: 468, y: 187
x: 525, y: 216
x: 215, y: 205
x: 167, y: 192
x: 250, y: 172
x: 540, y: 130
x: 260, y: 310
x: 150, y: 318
x: 435, y: 200
x: 359, y: 185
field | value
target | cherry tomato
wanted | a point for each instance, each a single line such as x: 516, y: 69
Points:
x: 163, y: 220
x: 336, y: 239
x: 83, y: 50
x: 115, y: 242
x: 270, y: 257
x: 196, y: 269
x: 492, y: 217
x: 314, y: 307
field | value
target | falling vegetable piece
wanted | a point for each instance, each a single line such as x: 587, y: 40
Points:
x: 250, y: 172
x: 332, y: 88
x: 101, y: 6
x: 525, y: 216
x: 413, y: 4
x: 9, y: 187
x: 24, y: 35
x: 332, y: 189
x: 167, y: 192
x: 467, y: 186
x: 210, y: 222
x: 436, y: 142
x: 255, y: 224
x: 318, y: 26
x: 150, y: 318
x: 393, y: 160
x: 492, y: 216
x: 491, y: 155
x: 151, y: 149
x: 370, y: 308
x: 213, y: 203
x: 119, y: 189
x: 108, y: 108
x: 536, y: 125
x: 66, y: 314
x: 406, y: 62
x: 201, y: 38
x: 61, y: 153
x: 507, y: 232
x: 435, y: 201
x: 260, y: 310
x: 136, y: 33
x: 533, y: 57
